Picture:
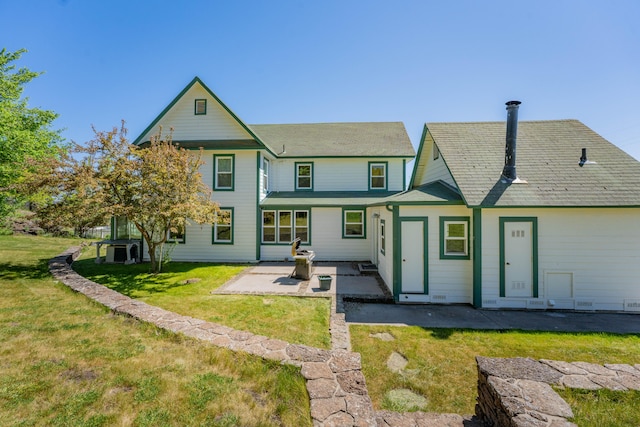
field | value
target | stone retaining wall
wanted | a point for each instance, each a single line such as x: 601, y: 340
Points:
x: 517, y: 392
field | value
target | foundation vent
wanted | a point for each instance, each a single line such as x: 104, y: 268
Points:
x: 536, y: 304
x: 489, y: 302
x: 632, y: 305
x: 582, y: 304
x: 438, y: 298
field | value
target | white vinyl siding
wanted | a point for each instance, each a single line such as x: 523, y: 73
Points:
x: 596, y: 247
x: 216, y: 124
x: 335, y: 174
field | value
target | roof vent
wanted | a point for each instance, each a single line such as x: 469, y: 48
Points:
x: 584, y: 160
x: 509, y: 172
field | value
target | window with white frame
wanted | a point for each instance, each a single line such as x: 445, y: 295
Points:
x: 304, y: 176
x: 283, y: 226
x: 223, y: 226
x: 353, y: 223
x: 377, y: 175
x: 383, y: 237
x: 265, y: 175
x: 454, y: 237
x: 223, y: 165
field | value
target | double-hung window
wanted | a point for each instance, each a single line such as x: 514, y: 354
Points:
x: 265, y: 175
x: 283, y: 226
x: 353, y: 224
x: 304, y: 176
x: 200, y: 107
x: 223, y: 227
x: 454, y: 237
x: 378, y: 175
x: 223, y: 170
x: 177, y: 234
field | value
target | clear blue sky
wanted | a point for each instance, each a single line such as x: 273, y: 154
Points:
x: 334, y: 61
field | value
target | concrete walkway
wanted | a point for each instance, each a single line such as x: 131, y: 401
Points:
x: 467, y: 317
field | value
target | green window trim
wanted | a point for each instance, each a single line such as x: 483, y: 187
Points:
x: 534, y: 253
x: 220, y: 227
x: 383, y: 237
x: 446, y: 239
x: 378, y: 181
x: 307, y: 176
x: 285, y: 225
x: 352, y: 226
x: 226, y: 173
x: 200, y: 107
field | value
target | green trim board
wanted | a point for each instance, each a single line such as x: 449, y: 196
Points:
x: 258, y: 224
x: 534, y: 252
x: 214, y: 229
x: 417, y: 158
x: 297, y: 176
x: 371, y: 176
x: 215, y: 172
x: 195, y: 80
x: 346, y: 210
x: 397, y: 260
x: 477, y: 258
x: 443, y: 237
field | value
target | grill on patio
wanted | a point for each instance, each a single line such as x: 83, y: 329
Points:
x: 304, y: 260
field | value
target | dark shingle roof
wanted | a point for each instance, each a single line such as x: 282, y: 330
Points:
x: 324, y: 198
x: 548, y: 154
x: 438, y: 193
x: 373, y: 139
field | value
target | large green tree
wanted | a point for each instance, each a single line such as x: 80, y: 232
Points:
x: 24, y: 132
x: 158, y: 188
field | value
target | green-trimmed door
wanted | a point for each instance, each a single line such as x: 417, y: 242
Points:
x: 413, y: 256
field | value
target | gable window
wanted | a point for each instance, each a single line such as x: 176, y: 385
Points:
x: 454, y: 237
x: 283, y: 226
x: 177, y: 234
x: 353, y: 223
x: 304, y: 176
x: 223, y: 166
x: 383, y: 237
x: 436, y: 152
x: 223, y: 227
x: 265, y: 175
x: 200, y: 107
x: 377, y: 175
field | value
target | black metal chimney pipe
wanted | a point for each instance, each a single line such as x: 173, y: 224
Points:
x: 509, y: 171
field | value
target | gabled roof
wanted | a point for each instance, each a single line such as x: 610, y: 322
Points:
x: 434, y: 193
x: 374, y: 139
x: 547, y: 157
x: 196, y: 80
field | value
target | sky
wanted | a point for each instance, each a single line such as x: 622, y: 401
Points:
x: 321, y: 61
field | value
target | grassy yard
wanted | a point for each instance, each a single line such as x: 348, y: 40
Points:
x: 293, y: 319
x: 441, y: 362
x: 65, y: 361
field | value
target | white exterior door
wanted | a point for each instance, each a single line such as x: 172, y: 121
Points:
x: 518, y: 259
x: 412, y: 257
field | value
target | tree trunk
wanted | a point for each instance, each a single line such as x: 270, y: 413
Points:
x: 152, y: 257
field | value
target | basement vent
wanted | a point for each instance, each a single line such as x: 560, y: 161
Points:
x: 585, y: 305
x: 536, y: 304
x: 438, y: 298
x: 489, y: 303
x: 632, y: 305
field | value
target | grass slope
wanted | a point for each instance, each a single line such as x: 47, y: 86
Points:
x: 65, y: 361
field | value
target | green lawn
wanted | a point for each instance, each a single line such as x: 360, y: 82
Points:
x: 441, y: 362
x: 292, y: 319
x: 66, y: 361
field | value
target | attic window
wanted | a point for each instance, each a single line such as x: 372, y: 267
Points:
x: 436, y: 152
x: 200, y: 107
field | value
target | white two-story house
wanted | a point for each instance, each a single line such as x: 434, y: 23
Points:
x: 279, y: 182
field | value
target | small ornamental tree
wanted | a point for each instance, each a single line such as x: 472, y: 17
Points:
x: 156, y: 187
